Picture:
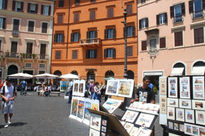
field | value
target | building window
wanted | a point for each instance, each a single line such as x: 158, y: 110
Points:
x: 2, y: 23
x: 45, y: 10
x: 129, y: 51
x: 77, y: 2
x: 110, y: 12
x: 3, y: 4
x: 144, y: 45
x: 178, y: 36
x: 162, y: 19
x: 60, y: 19
x: 42, y: 51
x: 92, y: 1
x: 57, y: 54
x: 42, y: 66
x: 109, y: 53
x: 29, y: 50
x: 110, y: 33
x: 60, y: 3
x: 142, y: 1
x: 130, y: 31
x: 76, y: 17
x: 14, y: 47
x: 30, y: 26
x: 198, y: 35
x: 32, y: 8
x: 177, y: 11
x: 92, y: 34
x: 16, y: 23
x: 75, y: 37
x: 196, y: 7
x: 129, y: 9
x: 44, y: 27
x: 92, y: 15
x: 162, y: 42
x: 59, y: 38
x: 17, y: 6
x: 28, y: 65
x: 0, y: 45
x: 143, y: 23
x: 74, y: 54
x: 90, y: 54
x: 153, y: 44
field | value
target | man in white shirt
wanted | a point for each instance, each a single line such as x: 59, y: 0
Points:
x: 8, y: 93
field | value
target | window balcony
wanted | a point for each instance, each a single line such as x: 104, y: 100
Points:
x: 198, y: 14
x: 15, y: 33
x: 178, y: 19
x: 11, y: 55
x: 92, y: 41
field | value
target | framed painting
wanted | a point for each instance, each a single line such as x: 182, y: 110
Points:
x: 187, y: 128
x: 112, y: 86
x: 130, y: 116
x: 95, y: 122
x: 200, y: 117
x: 184, y: 88
x: 189, y: 116
x: 180, y: 114
x: 198, y: 87
x: 171, y: 102
x: 198, y: 105
x: 185, y: 103
x: 94, y: 132
x: 172, y: 87
x: 128, y: 127
x: 145, y: 120
x: 125, y: 88
x: 162, y: 85
x: 171, y: 113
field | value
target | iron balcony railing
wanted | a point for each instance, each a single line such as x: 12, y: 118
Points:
x: 91, y: 41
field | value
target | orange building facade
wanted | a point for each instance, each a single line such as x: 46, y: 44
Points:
x: 88, y: 39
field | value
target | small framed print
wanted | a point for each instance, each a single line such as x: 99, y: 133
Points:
x: 128, y: 127
x: 94, y: 132
x: 184, y: 103
x: 134, y: 131
x: 104, y: 122
x: 172, y: 102
x: 200, y: 117
x: 171, y: 125
x: 145, y: 120
x: 172, y: 87
x: 162, y: 85
x: 187, y: 128
x: 184, y: 88
x: 176, y: 126
x: 198, y: 87
x: 181, y: 127
x: 171, y: 113
x: 202, y: 131
x: 163, y: 104
x: 179, y: 114
x: 103, y: 129
x: 198, y: 105
x: 102, y: 134
x: 189, y: 116
x: 130, y: 116
x: 195, y: 130
x: 95, y: 122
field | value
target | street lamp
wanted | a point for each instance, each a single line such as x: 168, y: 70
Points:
x: 125, y: 38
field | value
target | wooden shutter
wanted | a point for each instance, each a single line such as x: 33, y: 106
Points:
x: 162, y: 42
x: 79, y: 36
x: 88, y: 36
x: 28, y: 9
x: 55, y: 38
x: 22, y: 6
x: 114, y: 53
x: 183, y: 9
x: 133, y: 31
x: 165, y: 15
x: 190, y: 6
x: 49, y: 11
x: 171, y: 11
x: 6, y: 3
x: 105, y: 53
x: 114, y: 33
x: 95, y: 53
x: 4, y: 23
x: 178, y: 38
x: 203, y: 3
x: 96, y: 34
x: 144, y: 45
x: 13, y: 5
x: 63, y: 38
x: 147, y: 22
x: 42, y: 6
x: 140, y: 24
x: 105, y: 33
x: 72, y: 37
x: 36, y: 8
x: 157, y: 18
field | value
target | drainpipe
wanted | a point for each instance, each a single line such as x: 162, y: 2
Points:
x: 68, y: 29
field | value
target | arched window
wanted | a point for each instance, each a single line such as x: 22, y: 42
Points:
x: 57, y: 72
x: 199, y: 64
x: 178, y: 69
x: 12, y: 70
x: 90, y: 75
x: 130, y: 74
x: 57, y: 81
x: 198, y: 68
x: 74, y: 72
x: 109, y: 74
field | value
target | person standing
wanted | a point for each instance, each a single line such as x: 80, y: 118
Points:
x: 23, y: 87
x: 70, y: 90
x: 145, y: 94
x: 8, y: 93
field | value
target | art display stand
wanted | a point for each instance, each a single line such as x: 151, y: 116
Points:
x: 182, y: 104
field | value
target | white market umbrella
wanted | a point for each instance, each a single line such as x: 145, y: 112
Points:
x: 21, y: 76
x: 46, y: 76
x: 69, y: 76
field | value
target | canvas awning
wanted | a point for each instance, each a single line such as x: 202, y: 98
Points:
x: 198, y: 70
x: 177, y: 71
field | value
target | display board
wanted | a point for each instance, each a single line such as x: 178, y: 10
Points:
x: 79, y: 88
x: 185, y: 110
x: 120, y: 87
x: 79, y: 108
x: 112, y: 104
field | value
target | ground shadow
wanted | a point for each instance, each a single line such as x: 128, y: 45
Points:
x: 17, y: 124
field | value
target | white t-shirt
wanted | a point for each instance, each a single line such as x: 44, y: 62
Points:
x: 8, y: 91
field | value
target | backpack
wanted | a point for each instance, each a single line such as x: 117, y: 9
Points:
x: 4, y: 92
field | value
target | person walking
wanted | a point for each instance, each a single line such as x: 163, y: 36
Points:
x: 97, y: 92
x: 23, y: 87
x: 8, y: 93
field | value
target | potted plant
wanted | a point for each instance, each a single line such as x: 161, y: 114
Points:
x: 34, y: 56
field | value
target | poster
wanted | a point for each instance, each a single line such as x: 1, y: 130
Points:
x: 81, y: 109
x: 198, y: 87
x: 172, y: 87
x: 112, y: 104
x: 74, y: 106
x: 184, y: 87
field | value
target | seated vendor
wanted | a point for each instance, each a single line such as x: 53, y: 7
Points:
x: 145, y: 94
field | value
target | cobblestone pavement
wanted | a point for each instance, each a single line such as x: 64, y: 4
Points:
x: 42, y: 116
x: 46, y: 116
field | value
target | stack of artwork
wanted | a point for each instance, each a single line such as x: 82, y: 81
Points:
x: 112, y: 104
x: 185, y: 105
x: 120, y: 87
x: 79, y: 87
x: 79, y: 108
